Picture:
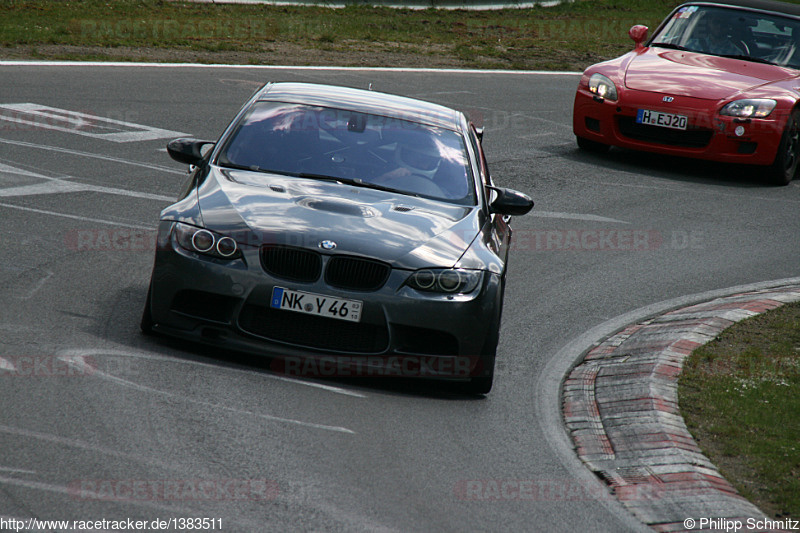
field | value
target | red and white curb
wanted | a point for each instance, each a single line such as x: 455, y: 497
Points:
x: 620, y: 406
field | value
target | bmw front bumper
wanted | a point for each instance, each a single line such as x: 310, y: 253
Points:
x: 227, y: 303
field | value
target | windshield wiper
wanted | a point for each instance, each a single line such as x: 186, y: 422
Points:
x: 355, y: 182
x: 672, y: 46
x: 236, y: 166
x: 748, y: 58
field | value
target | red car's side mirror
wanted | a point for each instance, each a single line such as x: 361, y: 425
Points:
x: 638, y: 33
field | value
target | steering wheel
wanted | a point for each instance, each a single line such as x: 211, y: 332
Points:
x: 743, y: 46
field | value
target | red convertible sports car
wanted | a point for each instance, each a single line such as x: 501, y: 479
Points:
x: 717, y: 81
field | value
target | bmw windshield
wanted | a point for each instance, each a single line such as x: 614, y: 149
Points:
x: 354, y: 148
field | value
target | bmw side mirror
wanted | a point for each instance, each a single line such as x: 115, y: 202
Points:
x: 188, y: 151
x: 510, y: 202
x: 638, y: 33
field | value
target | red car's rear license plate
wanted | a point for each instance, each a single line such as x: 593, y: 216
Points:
x: 316, y: 304
x: 665, y: 120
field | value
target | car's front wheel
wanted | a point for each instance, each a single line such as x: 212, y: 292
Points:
x: 785, y: 165
x: 146, y: 324
x: 483, y: 383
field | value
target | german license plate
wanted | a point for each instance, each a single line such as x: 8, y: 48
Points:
x: 316, y: 304
x: 665, y: 120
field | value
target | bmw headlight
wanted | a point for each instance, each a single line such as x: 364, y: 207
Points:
x: 749, y: 108
x: 445, y: 280
x: 602, y: 87
x: 206, y: 242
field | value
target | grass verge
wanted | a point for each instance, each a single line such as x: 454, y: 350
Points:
x: 570, y: 36
x: 740, y: 397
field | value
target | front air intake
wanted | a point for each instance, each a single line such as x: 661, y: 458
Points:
x: 294, y: 264
x: 356, y: 274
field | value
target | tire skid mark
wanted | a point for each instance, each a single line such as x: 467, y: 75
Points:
x: 76, y: 360
x: 83, y: 445
x: 163, y: 359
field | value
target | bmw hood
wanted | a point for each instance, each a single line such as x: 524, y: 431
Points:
x: 696, y: 75
x: 405, y: 231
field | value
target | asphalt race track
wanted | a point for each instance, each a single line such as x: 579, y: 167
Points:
x: 100, y: 422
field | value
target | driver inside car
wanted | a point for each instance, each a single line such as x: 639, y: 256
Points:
x: 423, y: 163
x: 719, y: 39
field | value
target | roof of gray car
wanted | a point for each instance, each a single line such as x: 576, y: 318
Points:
x: 364, y: 101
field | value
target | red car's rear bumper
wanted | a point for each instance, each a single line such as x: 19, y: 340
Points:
x: 708, y: 135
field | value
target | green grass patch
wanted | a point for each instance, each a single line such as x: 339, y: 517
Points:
x: 740, y: 397
x: 571, y: 36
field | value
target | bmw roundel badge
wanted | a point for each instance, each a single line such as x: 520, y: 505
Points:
x: 327, y: 245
